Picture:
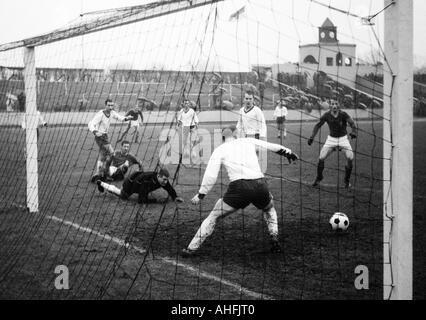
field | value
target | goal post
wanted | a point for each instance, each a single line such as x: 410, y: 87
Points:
x: 398, y: 172
x: 31, y: 123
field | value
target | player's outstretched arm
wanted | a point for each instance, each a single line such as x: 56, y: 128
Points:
x: 210, y: 176
x: 277, y: 148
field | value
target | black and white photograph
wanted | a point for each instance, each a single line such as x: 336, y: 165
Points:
x: 212, y: 154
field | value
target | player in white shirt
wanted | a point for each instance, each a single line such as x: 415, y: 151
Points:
x: 251, y: 121
x: 99, y: 126
x: 247, y: 185
x: 187, y: 120
x: 280, y: 115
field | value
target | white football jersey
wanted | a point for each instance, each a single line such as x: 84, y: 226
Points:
x: 188, y: 118
x: 280, y: 112
x: 251, y: 122
x: 240, y: 160
x: 101, y: 122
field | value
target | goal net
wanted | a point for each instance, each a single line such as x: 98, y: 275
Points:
x: 304, y: 55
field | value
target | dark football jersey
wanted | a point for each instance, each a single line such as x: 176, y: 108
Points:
x: 144, y: 183
x: 134, y: 114
x: 337, y: 125
x: 119, y: 158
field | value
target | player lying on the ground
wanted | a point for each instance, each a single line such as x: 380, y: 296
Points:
x: 142, y: 183
x: 337, y: 121
x: 99, y: 126
x: 247, y: 185
x: 120, y: 162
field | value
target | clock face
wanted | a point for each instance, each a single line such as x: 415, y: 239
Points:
x: 331, y: 34
x: 322, y: 34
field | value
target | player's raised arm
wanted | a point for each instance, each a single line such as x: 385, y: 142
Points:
x: 315, y: 130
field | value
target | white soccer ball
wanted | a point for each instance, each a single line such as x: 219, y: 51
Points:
x: 339, y: 221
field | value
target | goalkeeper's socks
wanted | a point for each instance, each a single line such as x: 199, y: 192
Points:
x: 320, y: 170
x: 110, y: 188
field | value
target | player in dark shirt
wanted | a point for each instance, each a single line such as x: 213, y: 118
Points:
x: 120, y: 162
x: 142, y: 183
x: 337, y: 121
x: 134, y: 123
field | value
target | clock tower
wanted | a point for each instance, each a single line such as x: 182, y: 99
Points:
x: 327, y: 32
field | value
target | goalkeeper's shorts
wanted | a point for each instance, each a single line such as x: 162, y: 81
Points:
x: 341, y: 144
x: 242, y: 192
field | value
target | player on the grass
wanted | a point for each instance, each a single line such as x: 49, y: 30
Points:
x: 99, y: 126
x: 337, y: 121
x: 142, y: 183
x: 136, y: 122
x: 251, y: 121
x: 187, y: 120
x: 247, y: 185
x: 120, y: 162
x: 280, y: 114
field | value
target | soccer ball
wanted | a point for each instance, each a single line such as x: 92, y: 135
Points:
x: 339, y: 221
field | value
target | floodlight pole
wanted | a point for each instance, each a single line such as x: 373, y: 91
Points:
x: 31, y: 123
x: 398, y: 172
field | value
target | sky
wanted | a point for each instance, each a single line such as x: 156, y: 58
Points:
x: 269, y: 31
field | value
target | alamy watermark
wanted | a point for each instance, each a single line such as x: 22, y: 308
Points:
x: 196, y: 147
x: 62, y: 280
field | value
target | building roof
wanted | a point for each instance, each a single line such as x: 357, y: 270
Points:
x: 326, y: 44
x: 327, y: 23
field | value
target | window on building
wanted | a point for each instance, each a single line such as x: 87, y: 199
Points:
x: 310, y: 59
x: 348, y: 62
x: 339, y: 61
x: 329, y: 61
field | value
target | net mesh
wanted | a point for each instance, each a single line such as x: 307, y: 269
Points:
x: 307, y: 53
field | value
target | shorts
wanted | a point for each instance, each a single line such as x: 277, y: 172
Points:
x: 340, y: 144
x: 280, y: 120
x: 134, y: 123
x: 242, y: 192
x: 117, y: 173
x: 126, y: 189
x: 102, y: 142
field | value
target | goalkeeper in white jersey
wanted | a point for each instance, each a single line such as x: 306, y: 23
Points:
x: 99, y: 126
x: 247, y: 185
